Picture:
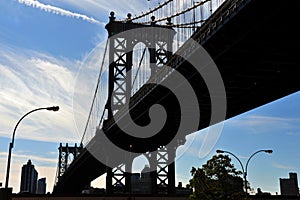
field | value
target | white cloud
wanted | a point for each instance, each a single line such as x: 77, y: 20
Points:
x: 38, y: 159
x: 201, y: 143
x: 55, y: 73
x: 288, y: 167
x: 260, y: 123
x: 85, y: 86
x: 120, y: 7
x: 30, y: 80
x: 57, y: 10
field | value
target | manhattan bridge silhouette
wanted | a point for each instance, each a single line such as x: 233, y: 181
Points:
x: 253, y: 48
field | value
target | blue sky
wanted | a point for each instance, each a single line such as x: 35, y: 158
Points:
x: 46, y: 49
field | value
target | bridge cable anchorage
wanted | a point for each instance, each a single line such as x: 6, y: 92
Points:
x: 95, y: 93
x: 140, y: 64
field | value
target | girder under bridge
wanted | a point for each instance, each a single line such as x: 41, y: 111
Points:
x: 254, y: 45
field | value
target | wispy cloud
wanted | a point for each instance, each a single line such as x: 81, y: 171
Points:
x: 201, y: 143
x: 292, y: 133
x: 254, y: 120
x: 41, y: 160
x: 29, y: 80
x: 57, y: 10
x: 120, y: 7
x: 260, y: 123
x: 288, y: 167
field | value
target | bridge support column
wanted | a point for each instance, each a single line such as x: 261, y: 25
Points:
x: 166, y: 170
x: 119, y: 179
x: 109, y: 175
x: 162, y: 165
x: 127, y: 174
x: 171, y: 171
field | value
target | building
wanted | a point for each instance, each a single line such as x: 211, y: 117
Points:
x: 41, y: 186
x: 289, y: 186
x: 141, y: 183
x: 182, y: 191
x: 28, y: 178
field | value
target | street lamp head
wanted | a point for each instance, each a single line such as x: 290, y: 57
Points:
x: 53, y: 108
x: 268, y: 151
x: 220, y: 151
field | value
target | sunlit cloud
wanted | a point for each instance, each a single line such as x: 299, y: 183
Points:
x: 30, y: 80
x: 57, y: 10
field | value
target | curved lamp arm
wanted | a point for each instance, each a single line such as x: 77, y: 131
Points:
x: 263, y: 150
x: 221, y: 151
x: 53, y: 108
x: 11, y: 144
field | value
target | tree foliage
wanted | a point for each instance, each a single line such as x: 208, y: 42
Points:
x: 217, y: 179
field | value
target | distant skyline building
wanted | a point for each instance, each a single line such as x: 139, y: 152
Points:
x: 28, y: 178
x: 289, y: 186
x: 141, y: 183
x: 41, y: 186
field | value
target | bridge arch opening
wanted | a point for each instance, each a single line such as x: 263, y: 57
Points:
x: 70, y: 158
x: 141, y: 181
x: 139, y: 163
x: 140, y: 66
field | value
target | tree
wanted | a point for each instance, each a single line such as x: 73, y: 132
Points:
x: 217, y: 179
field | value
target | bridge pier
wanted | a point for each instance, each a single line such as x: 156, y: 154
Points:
x: 161, y: 172
x: 163, y: 177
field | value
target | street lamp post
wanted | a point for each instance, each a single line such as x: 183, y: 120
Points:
x: 11, y: 144
x: 244, y: 170
x: 245, y: 175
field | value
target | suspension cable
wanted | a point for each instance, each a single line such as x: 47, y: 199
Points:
x: 152, y: 10
x: 95, y: 94
x: 177, y: 14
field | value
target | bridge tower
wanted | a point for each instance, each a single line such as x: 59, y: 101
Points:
x: 66, y: 155
x: 121, y: 45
